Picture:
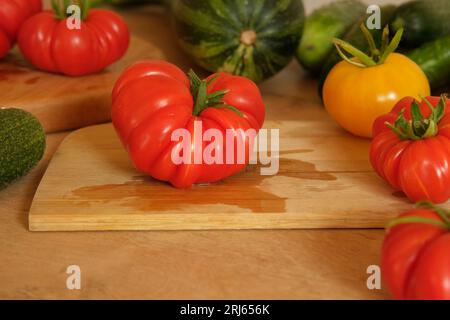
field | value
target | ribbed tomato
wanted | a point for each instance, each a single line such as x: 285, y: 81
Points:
x: 50, y: 45
x: 13, y: 14
x: 415, y: 259
x: 412, y: 152
x: 152, y: 99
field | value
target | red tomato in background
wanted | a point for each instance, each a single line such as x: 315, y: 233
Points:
x: 405, y: 104
x: 420, y: 168
x: 151, y: 99
x: 415, y: 260
x: 13, y: 14
x: 50, y: 45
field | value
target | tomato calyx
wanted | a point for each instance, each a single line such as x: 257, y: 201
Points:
x: 203, y: 100
x: 60, y: 8
x: 377, y: 56
x: 419, y: 127
x: 443, y: 214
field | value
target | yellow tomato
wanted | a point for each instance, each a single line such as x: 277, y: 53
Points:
x: 355, y: 96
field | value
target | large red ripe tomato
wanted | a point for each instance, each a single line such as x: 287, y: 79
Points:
x: 415, y: 260
x: 413, y: 152
x: 50, y: 45
x: 153, y: 98
x: 12, y: 14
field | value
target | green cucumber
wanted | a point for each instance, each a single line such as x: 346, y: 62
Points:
x: 434, y: 59
x: 356, y: 38
x: 324, y: 24
x: 22, y: 144
x: 423, y: 21
x: 255, y: 39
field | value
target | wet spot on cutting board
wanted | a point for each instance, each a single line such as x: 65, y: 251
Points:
x: 32, y: 80
x: 9, y: 71
x: 242, y: 190
x: 145, y: 194
x: 399, y: 194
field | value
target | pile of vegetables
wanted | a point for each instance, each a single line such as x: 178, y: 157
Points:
x: 425, y: 39
x: 212, y: 34
x: 374, y: 85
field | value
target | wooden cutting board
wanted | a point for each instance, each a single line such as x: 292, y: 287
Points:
x: 60, y: 102
x: 325, y: 181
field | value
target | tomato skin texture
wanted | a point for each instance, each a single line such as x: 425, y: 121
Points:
x: 421, y: 168
x: 152, y: 98
x: 355, y: 96
x: 415, y: 259
x: 13, y: 14
x: 51, y: 46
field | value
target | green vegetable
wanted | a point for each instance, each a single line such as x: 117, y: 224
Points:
x: 356, y: 38
x: 423, y: 21
x: 434, y: 59
x: 324, y: 24
x: 254, y: 38
x: 129, y: 2
x: 22, y: 144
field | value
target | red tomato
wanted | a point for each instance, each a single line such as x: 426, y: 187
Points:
x: 405, y: 104
x: 151, y: 99
x: 412, y: 160
x: 13, y: 13
x: 415, y: 260
x: 48, y: 43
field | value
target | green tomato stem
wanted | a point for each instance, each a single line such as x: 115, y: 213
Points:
x: 443, y: 214
x: 365, y: 60
x: 392, y: 46
x: 377, y: 56
x: 203, y: 100
x: 60, y: 8
x: 418, y: 127
x: 413, y: 219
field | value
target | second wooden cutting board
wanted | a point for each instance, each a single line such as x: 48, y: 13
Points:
x: 63, y: 103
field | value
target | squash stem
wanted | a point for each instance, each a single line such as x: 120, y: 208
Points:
x: 248, y: 37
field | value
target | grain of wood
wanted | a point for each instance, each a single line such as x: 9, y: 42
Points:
x: 92, y: 185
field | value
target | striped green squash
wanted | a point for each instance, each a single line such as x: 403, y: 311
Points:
x: 251, y: 38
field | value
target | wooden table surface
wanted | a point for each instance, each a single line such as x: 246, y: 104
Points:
x: 291, y: 264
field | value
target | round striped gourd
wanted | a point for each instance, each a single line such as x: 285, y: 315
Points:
x: 251, y: 38
x: 22, y: 144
